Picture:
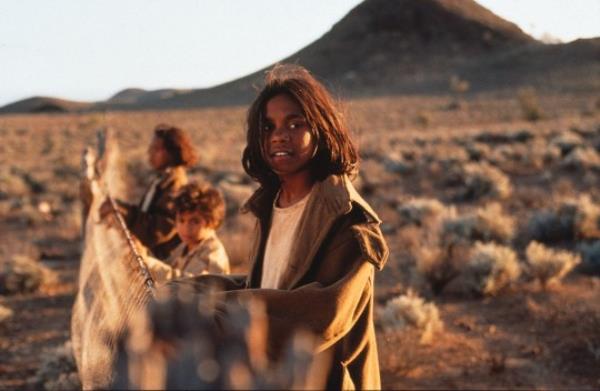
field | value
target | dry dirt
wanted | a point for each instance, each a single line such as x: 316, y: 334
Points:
x: 523, y: 338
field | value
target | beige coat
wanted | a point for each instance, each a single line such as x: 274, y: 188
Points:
x: 208, y: 257
x: 329, y: 285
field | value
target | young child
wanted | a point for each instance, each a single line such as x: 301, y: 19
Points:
x: 318, y: 243
x: 199, y: 212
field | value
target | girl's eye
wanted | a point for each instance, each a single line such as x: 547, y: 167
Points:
x: 267, y: 128
x: 297, y: 125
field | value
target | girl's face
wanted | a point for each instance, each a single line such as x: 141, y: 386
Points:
x: 191, y: 227
x: 288, y: 143
x: 158, y: 155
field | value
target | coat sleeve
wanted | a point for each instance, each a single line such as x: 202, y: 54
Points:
x: 155, y: 226
x: 211, y: 258
x: 327, y: 309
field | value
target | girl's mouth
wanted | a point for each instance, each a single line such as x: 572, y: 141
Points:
x: 281, y: 154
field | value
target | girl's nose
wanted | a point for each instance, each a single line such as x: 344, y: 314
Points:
x: 279, y: 134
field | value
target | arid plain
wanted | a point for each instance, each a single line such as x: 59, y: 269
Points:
x: 489, y: 173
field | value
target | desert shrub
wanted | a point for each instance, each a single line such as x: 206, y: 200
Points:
x: 411, y: 311
x: 448, y: 157
x: 5, y: 314
x: 477, y: 151
x: 481, y: 180
x: 423, y: 119
x: 234, y: 195
x: 572, y: 219
x: 439, y: 262
x: 581, y: 159
x: 12, y: 184
x: 398, y: 163
x: 488, y: 223
x: 491, y: 268
x: 421, y: 211
x: 566, y: 142
x: 584, y: 132
x: 550, y: 153
x: 57, y: 370
x: 551, y: 226
x: 547, y: 265
x: 590, y: 257
x: 529, y: 104
x: 458, y: 85
x: 445, y: 154
x: 520, y: 136
x: 587, y: 218
x: 20, y: 273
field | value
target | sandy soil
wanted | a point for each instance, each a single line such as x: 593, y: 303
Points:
x: 524, y: 338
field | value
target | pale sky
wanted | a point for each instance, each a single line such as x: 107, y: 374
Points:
x: 90, y: 49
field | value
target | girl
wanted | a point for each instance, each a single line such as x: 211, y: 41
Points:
x: 317, y: 243
x: 152, y: 221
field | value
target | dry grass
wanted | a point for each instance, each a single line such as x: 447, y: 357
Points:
x: 587, y: 218
x: 57, y: 370
x: 590, y: 257
x: 410, y: 310
x: 491, y: 268
x: 566, y: 142
x: 423, y: 212
x: 529, y: 103
x: 481, y: 180
x: 488, y: 223
x: 400, y: 156
x: 581, y: 159
x: 5, y: 314
x: 549, y: 266
x: 440, y: 262
x: 20, y: 273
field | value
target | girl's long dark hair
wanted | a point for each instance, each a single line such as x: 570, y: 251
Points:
x: 335, y: 155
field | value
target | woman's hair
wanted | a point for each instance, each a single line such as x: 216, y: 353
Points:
x: 178, y: 145
x: 202, y: 198
x: 336, y: 154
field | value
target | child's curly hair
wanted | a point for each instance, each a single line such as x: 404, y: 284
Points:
x: 178, y: 144
x: 203, y: 198
x: 336, y: 154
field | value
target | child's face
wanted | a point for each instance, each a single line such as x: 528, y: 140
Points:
x: 288, y: 143
x: 191, y: 228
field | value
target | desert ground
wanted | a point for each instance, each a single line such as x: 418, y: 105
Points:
x: 496, y: 170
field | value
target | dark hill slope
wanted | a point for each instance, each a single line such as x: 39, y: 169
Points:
x: 384, y: 47
x: 385, y: 43
x: 42, y: 104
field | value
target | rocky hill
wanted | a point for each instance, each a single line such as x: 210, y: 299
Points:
x: 406, y: 47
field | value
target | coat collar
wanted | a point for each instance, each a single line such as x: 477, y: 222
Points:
x: 333, y: 197
x: 171, y: 175
x: 336, y: 192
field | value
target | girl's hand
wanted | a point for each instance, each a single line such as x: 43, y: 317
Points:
x: 106, y: 210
